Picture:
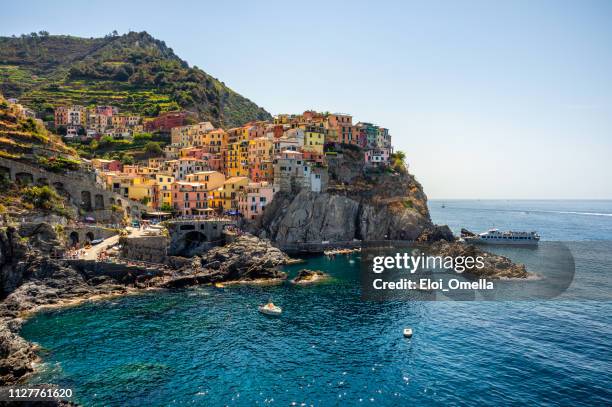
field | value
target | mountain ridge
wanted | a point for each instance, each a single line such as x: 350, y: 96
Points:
x: 134, y: 71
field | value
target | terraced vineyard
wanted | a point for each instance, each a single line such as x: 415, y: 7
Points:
x: 19, y: 135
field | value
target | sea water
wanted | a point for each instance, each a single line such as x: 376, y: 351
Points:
x: 210, y: 346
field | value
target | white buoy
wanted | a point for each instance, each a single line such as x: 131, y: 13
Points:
x: 407, y: 332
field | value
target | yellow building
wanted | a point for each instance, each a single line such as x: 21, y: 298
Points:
x: 144, y: 189
x: 210, y: 179
x: 119, y: 183
x: 164, y: 189
x: 237, y: 159
x: 214, y: 141
x: 260, y: 149
x: 226, y: 197
x: 314, y: 139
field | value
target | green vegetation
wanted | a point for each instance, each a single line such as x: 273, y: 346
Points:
x: 41, y: 197
x: 59, y: 164
x: 134, y: 72
x: 153, y: 149
x: 398, y: 161
x: 166, y: 207
x: 44, y: 198
x: 142, y: 145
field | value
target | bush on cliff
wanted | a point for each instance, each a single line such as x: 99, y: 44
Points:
x: 41, y: 197
x: 46, y: 199
x: 398, y: 161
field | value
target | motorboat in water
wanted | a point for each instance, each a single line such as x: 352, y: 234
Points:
x: 407, y: 332
x: 494, y: 236
x: 270, y: 309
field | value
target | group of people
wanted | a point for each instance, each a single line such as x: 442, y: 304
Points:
x: 103, y: 256
x: 74, y: 253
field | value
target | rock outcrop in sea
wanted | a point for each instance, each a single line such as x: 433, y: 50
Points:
x: 305, y: 277
x: 495, y: 266
x: 247, y: 258
x: 364, y: 204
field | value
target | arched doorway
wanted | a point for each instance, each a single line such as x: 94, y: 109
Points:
x: 86, y: 200
x: 74, y: 238
x: 89, y: 236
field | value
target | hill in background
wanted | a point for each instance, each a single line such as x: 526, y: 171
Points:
x: 135, y: 72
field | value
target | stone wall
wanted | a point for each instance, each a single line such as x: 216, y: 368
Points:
x: 87, y: 233
x: 153, y: 249
x: 78, y: 186
x: 195, y: 236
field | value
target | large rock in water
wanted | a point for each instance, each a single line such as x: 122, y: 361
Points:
x: 245, y: 259
x: 495, y: 266
x: 306, y: 276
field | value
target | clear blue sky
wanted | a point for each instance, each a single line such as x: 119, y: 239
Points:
x: 489, y: 99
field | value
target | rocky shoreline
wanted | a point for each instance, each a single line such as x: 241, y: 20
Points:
x: 51, y: 283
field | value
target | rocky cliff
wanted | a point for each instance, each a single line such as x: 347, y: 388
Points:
x: 360, y: 203
x: 12, y: 253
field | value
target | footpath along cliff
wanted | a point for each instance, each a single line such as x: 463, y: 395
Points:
x: 359, y: 203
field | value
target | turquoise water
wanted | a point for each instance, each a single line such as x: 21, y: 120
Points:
x: 209, y: 346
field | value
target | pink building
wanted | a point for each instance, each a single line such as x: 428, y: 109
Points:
x: 191, y: 198
x: 107, y: 165
x: 253, y: 200
x: 377, y: 156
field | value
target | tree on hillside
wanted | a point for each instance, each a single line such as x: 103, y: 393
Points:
x: 398, y: 161
x: 152, y: 148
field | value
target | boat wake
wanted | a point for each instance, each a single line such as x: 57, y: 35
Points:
x: 583, y: 213
x: 528, y: 211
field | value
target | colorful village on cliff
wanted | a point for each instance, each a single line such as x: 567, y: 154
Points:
x: 206, y: 170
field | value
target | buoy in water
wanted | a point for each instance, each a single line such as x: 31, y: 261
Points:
x: 407, y: 332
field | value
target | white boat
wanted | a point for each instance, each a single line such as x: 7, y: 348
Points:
x: 270, y: 309
x: 494, y: 236
x: 407, y: 332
